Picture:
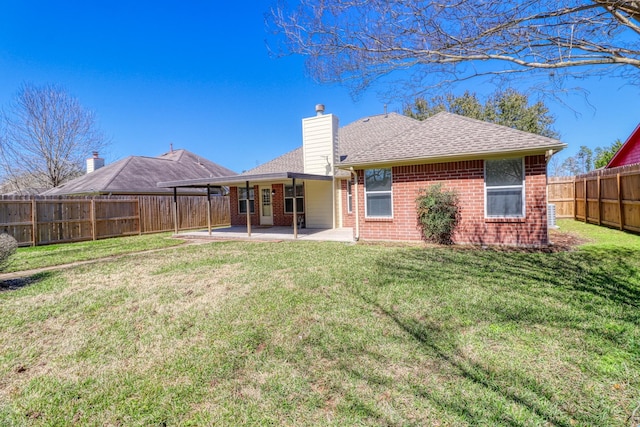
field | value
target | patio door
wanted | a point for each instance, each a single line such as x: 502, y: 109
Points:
x: 266, y: 206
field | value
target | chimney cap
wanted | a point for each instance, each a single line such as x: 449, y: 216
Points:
x: 95, y: 154
x: 319, y: 109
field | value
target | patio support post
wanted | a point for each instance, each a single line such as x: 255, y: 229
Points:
x: 175, y: 209
x: 295, y: 211
x: 357, y: 207
x: 248, y: 211
x: 209, y: 209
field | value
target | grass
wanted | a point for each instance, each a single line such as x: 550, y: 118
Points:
x: 308, y: 333
x: 599, y: 236
x: 49, y: 255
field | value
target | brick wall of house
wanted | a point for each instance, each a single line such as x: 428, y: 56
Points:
x: 348, y: 218
x: 277, y: 200
x: 241, y: 218
x: 467, y: 178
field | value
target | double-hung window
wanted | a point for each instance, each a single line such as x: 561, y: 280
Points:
x: 504, y: 188
x: 377, y: 193
x: 288, y: 199
x: 242, y: 200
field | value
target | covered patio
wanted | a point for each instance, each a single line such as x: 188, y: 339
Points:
x: 317, y: 221
x: 260, y: 233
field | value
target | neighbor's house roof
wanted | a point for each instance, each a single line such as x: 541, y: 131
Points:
x: 140, y: 175
x: 629, y: 153
x: 396, y: 139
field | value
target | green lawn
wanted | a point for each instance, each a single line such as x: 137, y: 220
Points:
x: 44, y: 256
x: 308, y: 333
x: 597, y: 236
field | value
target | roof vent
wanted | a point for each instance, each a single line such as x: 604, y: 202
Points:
x: 319, y: 109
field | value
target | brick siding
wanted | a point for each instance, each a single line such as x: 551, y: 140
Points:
x: 467, y: 178
x: 277, y: 204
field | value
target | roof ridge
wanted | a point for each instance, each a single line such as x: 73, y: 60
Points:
x: 391, y: 137
x: 182, y: 153
x: 484, y: 122
x: 363, y: 118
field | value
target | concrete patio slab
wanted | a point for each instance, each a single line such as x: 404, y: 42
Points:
x: 272, y: 233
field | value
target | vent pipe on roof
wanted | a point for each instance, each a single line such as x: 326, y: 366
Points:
x: 319, y: 109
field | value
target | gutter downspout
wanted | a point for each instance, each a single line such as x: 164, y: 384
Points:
x: 357, y: 205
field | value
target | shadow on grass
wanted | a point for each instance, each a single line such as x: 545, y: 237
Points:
x: 573, y: 290
x: 22, y: 282
x: 611, y: 275
x: 441, y: 344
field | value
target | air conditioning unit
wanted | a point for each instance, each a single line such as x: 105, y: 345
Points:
x: 551, y: 216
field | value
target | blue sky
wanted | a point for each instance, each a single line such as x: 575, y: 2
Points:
x: 197, y: 74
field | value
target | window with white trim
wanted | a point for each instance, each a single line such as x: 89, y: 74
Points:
x: 504, y: 188
x: 377, y: 193
x: 349, y: 197
x: 242, y: 200
x: 288, y: 199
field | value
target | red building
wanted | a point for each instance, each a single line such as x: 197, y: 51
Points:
x: 629, y: 153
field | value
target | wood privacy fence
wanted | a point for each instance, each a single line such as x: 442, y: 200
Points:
x: 38, y: 220
x: 608, y: 197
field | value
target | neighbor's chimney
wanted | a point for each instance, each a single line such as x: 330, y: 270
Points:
x: 320, y: 143
x: 94, y: 162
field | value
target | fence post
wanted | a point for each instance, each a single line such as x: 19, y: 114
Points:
x: 175, y: 209
x: 139, y: 215
x: 620, y: 204
x: 34, y: 221
x: 586, y: 200
x: 599, y: 205
x: 575, y: 200
x: 209, y: 209
x: 93, y: 218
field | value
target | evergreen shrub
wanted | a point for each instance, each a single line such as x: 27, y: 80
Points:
x: 438, y: 213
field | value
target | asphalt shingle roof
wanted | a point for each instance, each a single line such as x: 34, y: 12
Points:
x: 140, y: 175
x: 450, y: 135
x: 288, y: 162
x: 395, y: 138
x: 357, y: 135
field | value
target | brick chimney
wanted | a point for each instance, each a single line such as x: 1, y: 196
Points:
x: 320, y: 142
x: 94, y: 162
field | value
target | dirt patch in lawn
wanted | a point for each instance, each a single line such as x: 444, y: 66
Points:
x: 564, y: 241
x: 559, y: 242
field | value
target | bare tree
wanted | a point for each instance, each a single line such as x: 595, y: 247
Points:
x: 554, y: 167
x: 46, y: 137
x: 439, y: 42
